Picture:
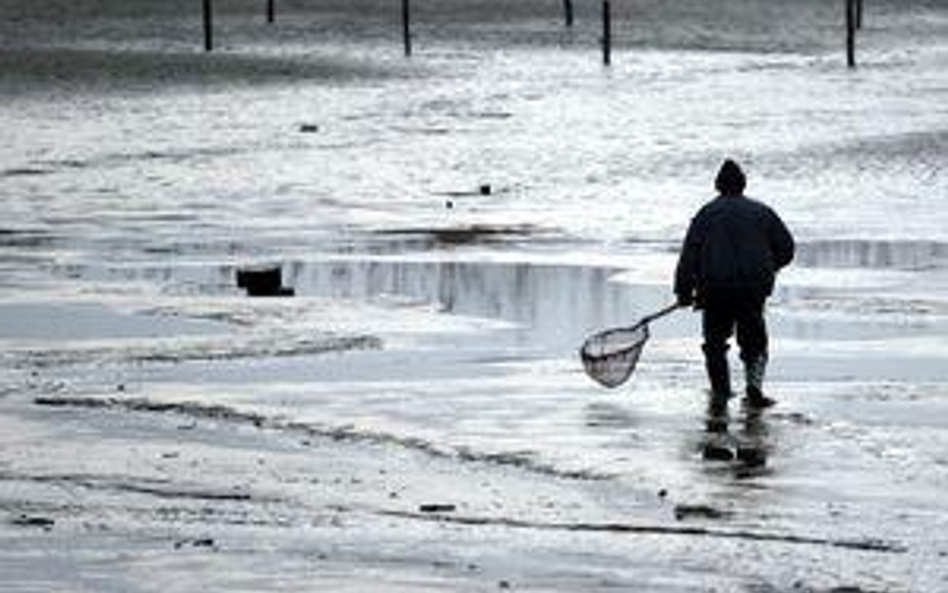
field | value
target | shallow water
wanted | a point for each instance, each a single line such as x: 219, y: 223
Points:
x: 453, y: 226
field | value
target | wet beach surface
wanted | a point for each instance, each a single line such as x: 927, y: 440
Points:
x: 415, y: 416
x: 422, y: 423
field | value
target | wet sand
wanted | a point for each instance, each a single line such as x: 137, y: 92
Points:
x: 453, y: 452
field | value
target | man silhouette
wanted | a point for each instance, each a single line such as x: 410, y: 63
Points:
x: 727, y: 267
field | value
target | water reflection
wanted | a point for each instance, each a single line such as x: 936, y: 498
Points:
x: 558, y: 304
x: 743, y: 440
x: 609, y: 416
x: 859, y: 253
x: 554, y: 305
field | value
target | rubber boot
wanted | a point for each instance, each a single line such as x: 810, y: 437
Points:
x: 754, y: 371
x: 719, y: 375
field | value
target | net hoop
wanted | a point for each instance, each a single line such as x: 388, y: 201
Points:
x: 610, y: 356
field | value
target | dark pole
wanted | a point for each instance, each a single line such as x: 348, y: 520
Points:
x: 851, y: 33
x: 271, y: 11
x: 858, y: 14
x: 606, y: 33
x: 406, y: 26
x: 208, y: 27
x: 568, y: 12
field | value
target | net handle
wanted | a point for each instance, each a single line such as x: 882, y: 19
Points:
x: 659, y: 314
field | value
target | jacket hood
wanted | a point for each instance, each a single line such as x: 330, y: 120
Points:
x: 730, y: 180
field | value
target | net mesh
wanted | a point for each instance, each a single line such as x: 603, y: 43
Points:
x: 609, y: 357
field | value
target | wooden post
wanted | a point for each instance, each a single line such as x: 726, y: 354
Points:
x: 851, y: 33
x: 208, y: 27
x: 406, y: 26
x: 271, y: 11
x: 606, y: 33
x: 568, y: 12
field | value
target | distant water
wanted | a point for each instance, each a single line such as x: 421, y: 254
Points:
x: 122, y: 137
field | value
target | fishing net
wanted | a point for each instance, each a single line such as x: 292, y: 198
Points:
x: 609, y: 357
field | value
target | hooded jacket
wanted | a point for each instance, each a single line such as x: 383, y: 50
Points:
x: 734, y: 245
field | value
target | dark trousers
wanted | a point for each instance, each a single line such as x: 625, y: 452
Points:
x: 723, y: 315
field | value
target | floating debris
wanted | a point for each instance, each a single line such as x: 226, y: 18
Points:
x: 437, y: 508
x: 198, y: 542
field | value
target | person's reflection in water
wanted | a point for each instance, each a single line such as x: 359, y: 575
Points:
x: 752, y: 451
x: 748, y: 445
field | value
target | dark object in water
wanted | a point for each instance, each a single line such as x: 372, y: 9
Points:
x: 684, y: 511
x: 486, y: 189
x: 437, y: 508
x: 198, y: 542
x: 33, y: 521
x: 309, y: 128
x: 263, y: 282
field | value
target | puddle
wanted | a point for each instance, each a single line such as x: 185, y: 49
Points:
x: 553, y: 305
x: 861, y: 253
x: 87, y: 321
